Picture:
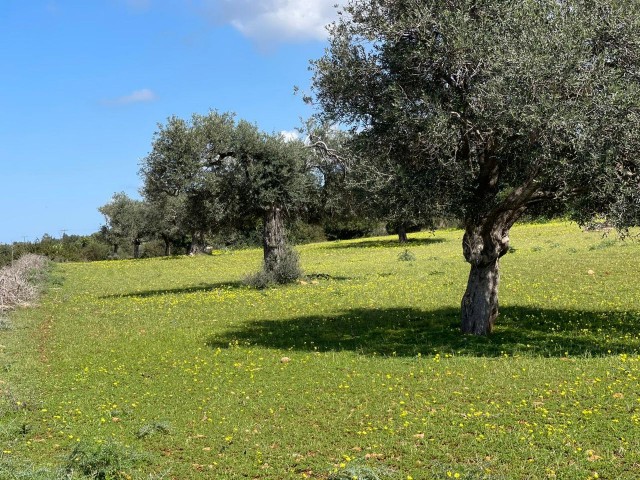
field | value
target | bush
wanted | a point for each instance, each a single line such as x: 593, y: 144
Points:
x: 287, y: 270
x: 361, y: 472
x: 407, y: 256
x: 152, y: 428
x: 300, y: 232
x: 103, y: 461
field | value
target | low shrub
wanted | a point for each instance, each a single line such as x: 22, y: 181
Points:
x: 103, y: 461
x: 152, y: 428
x: 361, y: 472
x: 286, y: 270
x: 407, y: 256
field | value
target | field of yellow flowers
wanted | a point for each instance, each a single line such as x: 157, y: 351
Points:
x: 171, y: 368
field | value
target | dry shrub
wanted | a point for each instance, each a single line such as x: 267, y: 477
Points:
x: 20, y: 282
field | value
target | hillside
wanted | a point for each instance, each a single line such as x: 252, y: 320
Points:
x: 185, y: 373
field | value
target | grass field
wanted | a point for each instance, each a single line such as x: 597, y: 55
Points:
x: 171, y: 368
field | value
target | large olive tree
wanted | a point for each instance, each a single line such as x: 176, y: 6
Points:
x: 497, y: 106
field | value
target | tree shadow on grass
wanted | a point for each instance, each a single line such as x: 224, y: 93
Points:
x: 201, y: 287
x: 409, y: 332
x: 412, y: 242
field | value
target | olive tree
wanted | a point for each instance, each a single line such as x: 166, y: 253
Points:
x: 496, y: 106
x: 229, y: 174
x: 127, y: 221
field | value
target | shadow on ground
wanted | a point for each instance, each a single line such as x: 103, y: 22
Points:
x: 408, y: 332
x: 412, y: 242
x: 201, y: 287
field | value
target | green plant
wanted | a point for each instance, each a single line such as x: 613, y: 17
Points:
x: 285, y: 270
x: 407, y: 256
x: 5, y: 324
x: 107, y: 460
x: 153, y: 428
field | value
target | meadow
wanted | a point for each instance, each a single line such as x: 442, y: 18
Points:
x: 172, y: 368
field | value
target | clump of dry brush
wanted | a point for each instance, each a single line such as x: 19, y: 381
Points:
x: 20, y: 283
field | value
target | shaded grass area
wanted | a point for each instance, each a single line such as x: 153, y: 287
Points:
x: 201, y: 287
x: 386, y: 243
x: 411, y: 332
x: 361, y: 368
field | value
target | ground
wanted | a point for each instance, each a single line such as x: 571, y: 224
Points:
x: 183, y: 368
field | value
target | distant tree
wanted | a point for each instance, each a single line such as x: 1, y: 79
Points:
x: 175, y: 183
x: 165, y: 215
x: 127, y: 221
x: 227, y: 174
x: 492, y: 107
x: 372, y: 188
x: 258, y: 175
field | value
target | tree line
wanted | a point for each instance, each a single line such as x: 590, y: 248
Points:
x: 214, y: 176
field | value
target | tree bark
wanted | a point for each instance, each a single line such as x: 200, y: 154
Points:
x: 480, y: 301
x: 167, y: 245
x: 197, y: 243
x: 483, y: 245
x: 273, y: 238
x: 402, y: 233
x: 136, y: 248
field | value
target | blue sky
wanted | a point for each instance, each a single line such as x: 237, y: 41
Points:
x: 85, y: 83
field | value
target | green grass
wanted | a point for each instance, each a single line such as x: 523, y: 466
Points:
x: 379, y: 381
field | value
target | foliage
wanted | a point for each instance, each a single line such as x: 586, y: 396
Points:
x: 69, y: 248
x: 360, y: 472
x: 153, y: 428
x: 481, y: 111
x: 127, y: 222
x: 407, y: 256
x: 286, y: 270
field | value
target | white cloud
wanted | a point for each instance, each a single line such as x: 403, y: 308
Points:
x: 274, y: 21
x: 138, y: 96
x: 290, y: 135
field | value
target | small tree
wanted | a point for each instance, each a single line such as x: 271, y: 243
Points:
x: 493, y: 107
x: 127, y: 221
x: 177, y: 185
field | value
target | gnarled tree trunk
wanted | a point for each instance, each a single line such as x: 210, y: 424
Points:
x: 197, y: 243
x: 273, y: 238
x: 483, y: 245
x: 402, y: 233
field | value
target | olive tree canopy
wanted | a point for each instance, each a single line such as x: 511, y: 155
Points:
x: 496, y: 106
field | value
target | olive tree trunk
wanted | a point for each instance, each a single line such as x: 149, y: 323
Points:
x: 402, y: 234
x: 136, y: 248
x: 273, y: 238
x: 197, y: 243
x: 483, y: 248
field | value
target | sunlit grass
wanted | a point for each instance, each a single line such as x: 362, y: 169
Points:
x: 378, y: 377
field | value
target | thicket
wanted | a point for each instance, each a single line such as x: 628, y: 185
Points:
x: 69, y: 248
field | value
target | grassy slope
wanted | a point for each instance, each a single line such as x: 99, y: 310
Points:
x: 378, y: 375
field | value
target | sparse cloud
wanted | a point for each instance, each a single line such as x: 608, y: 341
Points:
x: 290, y: 135
x: 137, y: 96
x: 269, y: 22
